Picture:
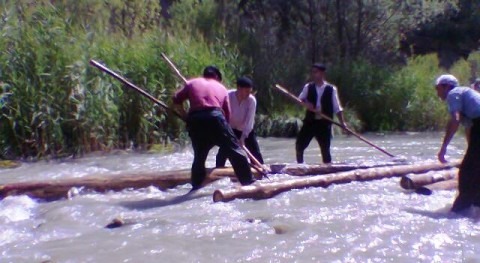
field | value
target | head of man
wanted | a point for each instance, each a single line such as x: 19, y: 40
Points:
x: 318, y: 72
x: 444, y: 84
x: 212, y: 72
x: 244, y: 86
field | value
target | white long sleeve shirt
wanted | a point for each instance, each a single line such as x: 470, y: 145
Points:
x: 242, y: 114
x: 337, y: 107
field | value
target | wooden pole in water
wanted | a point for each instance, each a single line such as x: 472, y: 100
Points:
x: 296, y: 99
x: 268, y: 190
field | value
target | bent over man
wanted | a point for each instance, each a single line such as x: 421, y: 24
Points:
x: 318, y: 97
x: 464, y: 107
x: 207, y: 125
x: 242, y: 119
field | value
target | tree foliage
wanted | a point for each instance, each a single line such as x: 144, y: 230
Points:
x: 53, y: 103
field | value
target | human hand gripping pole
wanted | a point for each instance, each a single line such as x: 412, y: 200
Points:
x: 296, y: 99
x: 256, y: 164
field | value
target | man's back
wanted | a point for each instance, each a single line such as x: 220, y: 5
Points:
x: 464, y: 100
x: 204, y: 93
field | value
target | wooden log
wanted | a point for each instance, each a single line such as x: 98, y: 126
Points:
x: 57, y: 189
x: 451, y: 184
x: 307, y: 170
x: 414, y: 181
x: 267, y: 190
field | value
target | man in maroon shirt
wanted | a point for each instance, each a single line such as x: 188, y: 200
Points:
x: 207, y: 125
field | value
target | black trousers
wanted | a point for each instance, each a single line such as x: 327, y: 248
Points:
x: 206, y: 129
x: 251, y: 144
x: 469, y: 173
x: 322, y: 131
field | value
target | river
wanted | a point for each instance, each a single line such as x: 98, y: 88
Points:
x: 374, y: 221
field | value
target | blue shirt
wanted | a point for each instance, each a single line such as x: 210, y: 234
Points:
x: 464, y: 100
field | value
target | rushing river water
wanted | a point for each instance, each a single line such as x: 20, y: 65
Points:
x: 374, y: 221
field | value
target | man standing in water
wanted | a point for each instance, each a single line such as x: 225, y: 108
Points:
x: 464, y: 107
x: 207, y: 125
x: 319, y: 97
x: 242, y: 118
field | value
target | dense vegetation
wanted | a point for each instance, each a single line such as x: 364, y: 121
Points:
x: 54, y: 104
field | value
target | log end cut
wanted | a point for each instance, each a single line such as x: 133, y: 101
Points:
x: 218, y: 196
x: 407, y: 183
x: 117, y: 222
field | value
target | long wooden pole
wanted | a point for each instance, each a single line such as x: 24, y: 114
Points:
x: 296, y: 99
x: 133, y: 86
x: 249, y: 154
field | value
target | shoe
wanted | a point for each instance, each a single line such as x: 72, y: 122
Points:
x: 194, y: 188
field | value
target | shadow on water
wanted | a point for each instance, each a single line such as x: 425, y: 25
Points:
x: 444, y: 213
x: 152, y: 203
x: 156, y: 203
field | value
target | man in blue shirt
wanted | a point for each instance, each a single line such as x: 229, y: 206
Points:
x: 464, y: 107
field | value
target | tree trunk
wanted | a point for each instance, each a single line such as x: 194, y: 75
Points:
x: 57, y: 189
x: 442, y: 185
x: 305, y: 170
x: 267, y: 190
x: 414, y: 181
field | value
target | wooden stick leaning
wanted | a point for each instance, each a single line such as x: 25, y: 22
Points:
x: 296, y: 99
x: 252, y: 158
x: 131, y: 85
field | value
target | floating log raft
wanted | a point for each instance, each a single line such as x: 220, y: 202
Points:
x: 413, y: 181
x: 57, y: 189
x: 306, y: 170
x: 268, y: 190
x: 451, y: 184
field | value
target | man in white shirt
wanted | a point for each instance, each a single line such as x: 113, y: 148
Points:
x: 242, y: 118
x: 318, y: 97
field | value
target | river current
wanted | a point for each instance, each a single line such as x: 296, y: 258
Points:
x: 375, y: 221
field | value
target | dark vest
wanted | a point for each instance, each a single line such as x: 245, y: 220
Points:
x: 325, y: 101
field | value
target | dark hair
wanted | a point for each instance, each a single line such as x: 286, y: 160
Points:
x: 319, y: 66
x: 244, y: 82
x: 212, y: 72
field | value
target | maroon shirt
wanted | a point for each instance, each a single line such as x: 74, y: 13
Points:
x: 204, y: 93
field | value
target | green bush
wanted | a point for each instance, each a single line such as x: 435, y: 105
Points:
x: 54, y: 103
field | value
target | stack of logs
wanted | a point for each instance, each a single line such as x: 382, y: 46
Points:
x: 421, y: 177
x: 270, y: 189
x: 426, y: 183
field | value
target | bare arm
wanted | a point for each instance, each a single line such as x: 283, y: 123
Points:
x: 452, y: 127
x: 341, y: 118
x: 180, y: 96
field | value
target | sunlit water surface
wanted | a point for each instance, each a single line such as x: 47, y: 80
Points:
x: 374, y: 221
